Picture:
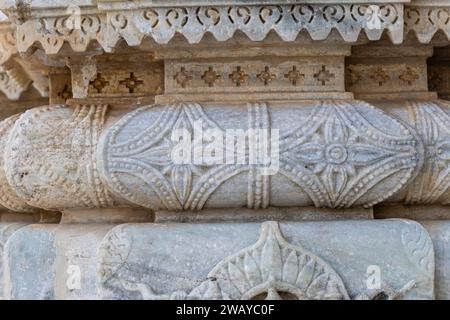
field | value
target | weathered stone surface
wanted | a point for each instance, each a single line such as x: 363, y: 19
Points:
x: 109, y: 22
x: 8, y: 197
x: 331, y: 154
x: 6, y: 230
x: 29, y: 263
x: 440, y: 234
x: 53, y: 261
x: 272, y: 213
x: 427, y: 17
x: 8, y: 45
x: 270, y: 260
x: 431, y: 121
x: 129, y: 220
x: 50, y: 157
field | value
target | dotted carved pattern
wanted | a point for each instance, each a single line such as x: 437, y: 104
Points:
x: 432, y: 123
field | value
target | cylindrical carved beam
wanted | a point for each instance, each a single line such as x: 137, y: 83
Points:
x: 331, y: 154
x: 50, y: 157
x: 334, y: 154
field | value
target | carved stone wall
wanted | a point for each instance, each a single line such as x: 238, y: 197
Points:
x: 224, y: 149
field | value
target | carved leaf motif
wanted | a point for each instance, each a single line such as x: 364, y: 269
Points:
x: 318, y: 286
x: 335, y: 130
x: 306, y: 274
x: 363, y: 154
x: 310, y: 152
x: 284, y: 268
x: 336, y: 180
x: 291, y: 268
x: 271, y: 259
x: 182, y: 181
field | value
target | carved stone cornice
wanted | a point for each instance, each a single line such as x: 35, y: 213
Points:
x: 107, y: 22
x: 331, y: 154
x: 425, y: 18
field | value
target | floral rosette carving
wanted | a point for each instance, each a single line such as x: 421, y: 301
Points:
x: 342, y: 154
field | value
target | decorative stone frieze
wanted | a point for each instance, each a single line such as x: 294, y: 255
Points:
x: 128, y: 76
x: 109, y: 21
x: 277, y: 78
x: 430, y: 122
x: 331, y: 154
x: 134, y: 263
x: 324, y: 158
x: 13, y: 81
x: 425, y: 18
x: 382, y: 71
x: 207, y: 149
x: 222, y: 20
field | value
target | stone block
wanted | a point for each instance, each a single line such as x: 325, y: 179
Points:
x: 289, y: 260
x: 6, y: 230
x: 440, y: 234
x: 53, y: 261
